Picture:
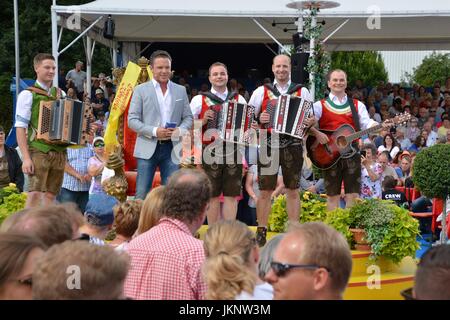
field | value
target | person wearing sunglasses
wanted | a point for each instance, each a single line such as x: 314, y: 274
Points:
x: 96, y: 167
x: 312, y: 262
x: 19, y: 253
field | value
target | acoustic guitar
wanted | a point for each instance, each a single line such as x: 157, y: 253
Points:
x: 324, y: 156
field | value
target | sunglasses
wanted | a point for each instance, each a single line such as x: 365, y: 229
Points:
x: 99, y: 144
x: 280, y: 269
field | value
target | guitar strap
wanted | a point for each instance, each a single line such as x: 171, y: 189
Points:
x: 355, y: 118
x: 354, y: 115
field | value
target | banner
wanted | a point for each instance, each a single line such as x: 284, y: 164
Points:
x: 120, y: 104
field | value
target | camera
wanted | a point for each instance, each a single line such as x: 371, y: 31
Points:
x: 363, y: 153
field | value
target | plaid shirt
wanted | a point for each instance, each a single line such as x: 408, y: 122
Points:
x: 78, y: 159
x: 166, y: 264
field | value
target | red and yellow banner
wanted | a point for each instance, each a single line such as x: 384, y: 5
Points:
x: 120, y: 104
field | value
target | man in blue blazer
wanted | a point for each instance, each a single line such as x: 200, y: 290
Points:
x: 159, y: 110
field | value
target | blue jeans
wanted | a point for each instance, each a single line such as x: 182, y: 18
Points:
x: 81, y: 198
x: 146, y: 169
x: 421, y: 204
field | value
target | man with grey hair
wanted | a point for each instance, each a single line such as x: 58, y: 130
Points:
x: 404, y: 142
x: 78, y: 78
x: 312, y: 262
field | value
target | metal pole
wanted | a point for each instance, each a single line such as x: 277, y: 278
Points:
x: 81, y: 34
x: 16, y: 43
x: 55, y: 42
x: 114, y: 62
x: 312, y: 43
x: 273, y: 38
x: 88, y: 65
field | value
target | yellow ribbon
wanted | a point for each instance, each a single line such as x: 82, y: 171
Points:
x: 120, y: 103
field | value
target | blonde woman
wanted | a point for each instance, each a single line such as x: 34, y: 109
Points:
x: 151, y: 210
x: 231, y: 266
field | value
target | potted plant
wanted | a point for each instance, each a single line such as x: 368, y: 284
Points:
x: 431, y: 173
x: 389, y: 230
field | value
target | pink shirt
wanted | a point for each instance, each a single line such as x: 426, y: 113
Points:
x: 166, y: 264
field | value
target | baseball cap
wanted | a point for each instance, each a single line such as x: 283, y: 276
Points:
x: 99, y: 210
x: 99, y: 91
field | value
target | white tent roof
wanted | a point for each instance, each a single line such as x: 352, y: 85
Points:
x: 405, y: 24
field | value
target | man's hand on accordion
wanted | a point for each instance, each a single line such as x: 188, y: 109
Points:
x: 311, y: 121
x: 264, y: 117
x: 209, y: 115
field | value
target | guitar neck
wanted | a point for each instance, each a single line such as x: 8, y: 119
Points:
x: 361, y: 133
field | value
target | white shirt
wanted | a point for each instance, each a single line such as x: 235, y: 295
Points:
x: 196, y: 102
x: 394, y: 151
x: 24, y: 104
x: 257, y: 97
x: 364, y: 118
x: 164, y: 102
x: 263, y: 291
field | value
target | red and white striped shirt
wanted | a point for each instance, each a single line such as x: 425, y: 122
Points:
x: 166, y: 264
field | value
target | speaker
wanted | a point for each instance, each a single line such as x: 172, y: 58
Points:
x: 298, y: 41
x: 299, y: 61
x: 108, y: 30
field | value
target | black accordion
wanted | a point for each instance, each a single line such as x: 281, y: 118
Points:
x: 65, y: 122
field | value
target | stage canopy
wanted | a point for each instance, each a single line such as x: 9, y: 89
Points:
x: 404, y: 25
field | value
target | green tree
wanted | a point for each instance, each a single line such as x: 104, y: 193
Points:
x: 35, y: 37
x: 367, y: 66
x: 434, y: 67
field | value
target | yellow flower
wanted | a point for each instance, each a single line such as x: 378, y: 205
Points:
x: 12, y: 185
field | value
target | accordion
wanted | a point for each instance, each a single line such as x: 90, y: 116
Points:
x: 64, y: 121
x: 288, y: 115
x: 232, y: 122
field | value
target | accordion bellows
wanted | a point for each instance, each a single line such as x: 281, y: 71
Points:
x: 64, y: 121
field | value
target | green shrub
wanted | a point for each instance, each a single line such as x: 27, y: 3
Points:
x: 341, y: 220
x: 11, y: 201
x: 312, y: 208
x: 431, y: 170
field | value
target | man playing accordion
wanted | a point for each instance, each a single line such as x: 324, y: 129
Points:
x: 221, y: 161
x: 285, y: 151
